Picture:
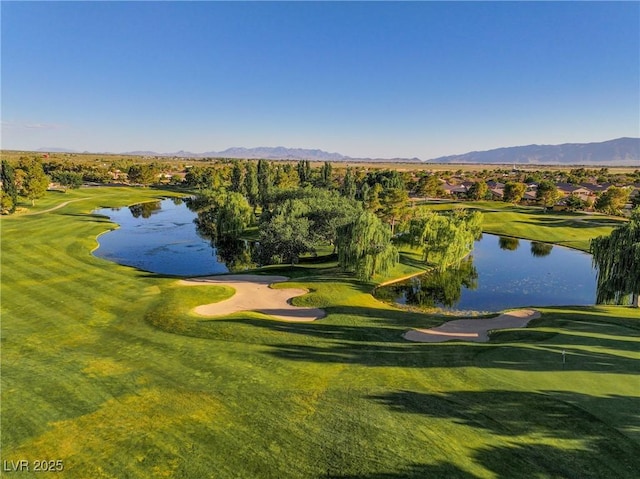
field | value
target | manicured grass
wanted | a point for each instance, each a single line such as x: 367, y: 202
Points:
x: 569, y: 229
x: 104, y: 367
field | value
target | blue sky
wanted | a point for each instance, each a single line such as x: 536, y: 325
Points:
x: 381, y: 79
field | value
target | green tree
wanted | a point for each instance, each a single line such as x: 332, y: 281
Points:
x: 9, y: 188
x: 445, y: 239
x: 394, y: 207
x: 67, y: 179
x: 286, y: 176
x: 304, y: 172
x: 142, y: 174
x: 513, y: 192
x: 285, y: 235
x: 574, y: 202
x: 7, y: 205
x: 348, y: 189
x: 478, y: 190
x: 617, y: 260
x: 325, y: 174
x: 613, y: 200
x: 265, y: 182
x: 251, y: 184
x: 372, y: 198
x: 234, y: 215
x: 430, y: 186
x: 547, y: 193
x: 221, y: 213
x: 386, y: 178
x: 34, y: 181
x: 204, y: 178
x: 195, y: 178
x: 365, y: 248
x: 327, y: 212
x: 237, y: 177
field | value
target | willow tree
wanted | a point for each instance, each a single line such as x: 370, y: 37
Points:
x: 365, y: 247
x: 221, y: 214
x: 233, y: 216
x: 617, y: 260
x: 445, y: 239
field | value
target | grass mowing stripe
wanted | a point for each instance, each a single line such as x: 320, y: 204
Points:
x: 143, y: 387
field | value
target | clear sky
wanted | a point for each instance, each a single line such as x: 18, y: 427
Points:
x: 363, y: 79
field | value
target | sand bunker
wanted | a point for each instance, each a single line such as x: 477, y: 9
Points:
x: 472, y: 329
x: 254, y: 294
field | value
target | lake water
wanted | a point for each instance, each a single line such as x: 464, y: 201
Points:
x: 503, y: 273
x: 158, y: 236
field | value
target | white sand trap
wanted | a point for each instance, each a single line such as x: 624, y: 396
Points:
x: 472, y: 329
x: 254, y: 294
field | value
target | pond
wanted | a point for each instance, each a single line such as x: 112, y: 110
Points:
x: 160, y: 237
x: 503, y: 273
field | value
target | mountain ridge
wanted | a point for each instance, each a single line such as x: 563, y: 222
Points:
x: 271, y: 153
x: 623, y: 151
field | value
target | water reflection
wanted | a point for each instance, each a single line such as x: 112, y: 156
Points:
x: 437, y: 288
x: 145, y: 210
x: 501, y: 275
x: 540, y: 249
x: 509, y: 244
x: 237, y: 254
x: 159, y: 236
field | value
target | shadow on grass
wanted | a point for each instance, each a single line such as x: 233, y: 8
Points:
x: 573, y: 223
x: 592, y: 339
x: 443, y: 470
x: 526, y: 461
x: 376, y: 340
x: 598, y: 449
x: 412, y: 259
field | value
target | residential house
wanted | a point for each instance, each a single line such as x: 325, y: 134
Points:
x: 580, y: 191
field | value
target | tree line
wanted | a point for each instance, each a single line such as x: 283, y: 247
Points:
x: 363, y: 215
x: 298, y: 210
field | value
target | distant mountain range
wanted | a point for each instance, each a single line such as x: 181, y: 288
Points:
x: 269, y: 153
x: 265, y: 152
x: 275, y: 153
x: 619, y: 152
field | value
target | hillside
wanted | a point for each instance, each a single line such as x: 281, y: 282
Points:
x: 618, y: 152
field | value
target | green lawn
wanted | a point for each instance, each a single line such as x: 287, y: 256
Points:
x: 104, y: 367
x: 568, y: 229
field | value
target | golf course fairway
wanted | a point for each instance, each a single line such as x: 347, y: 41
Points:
x: 109, y: 370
